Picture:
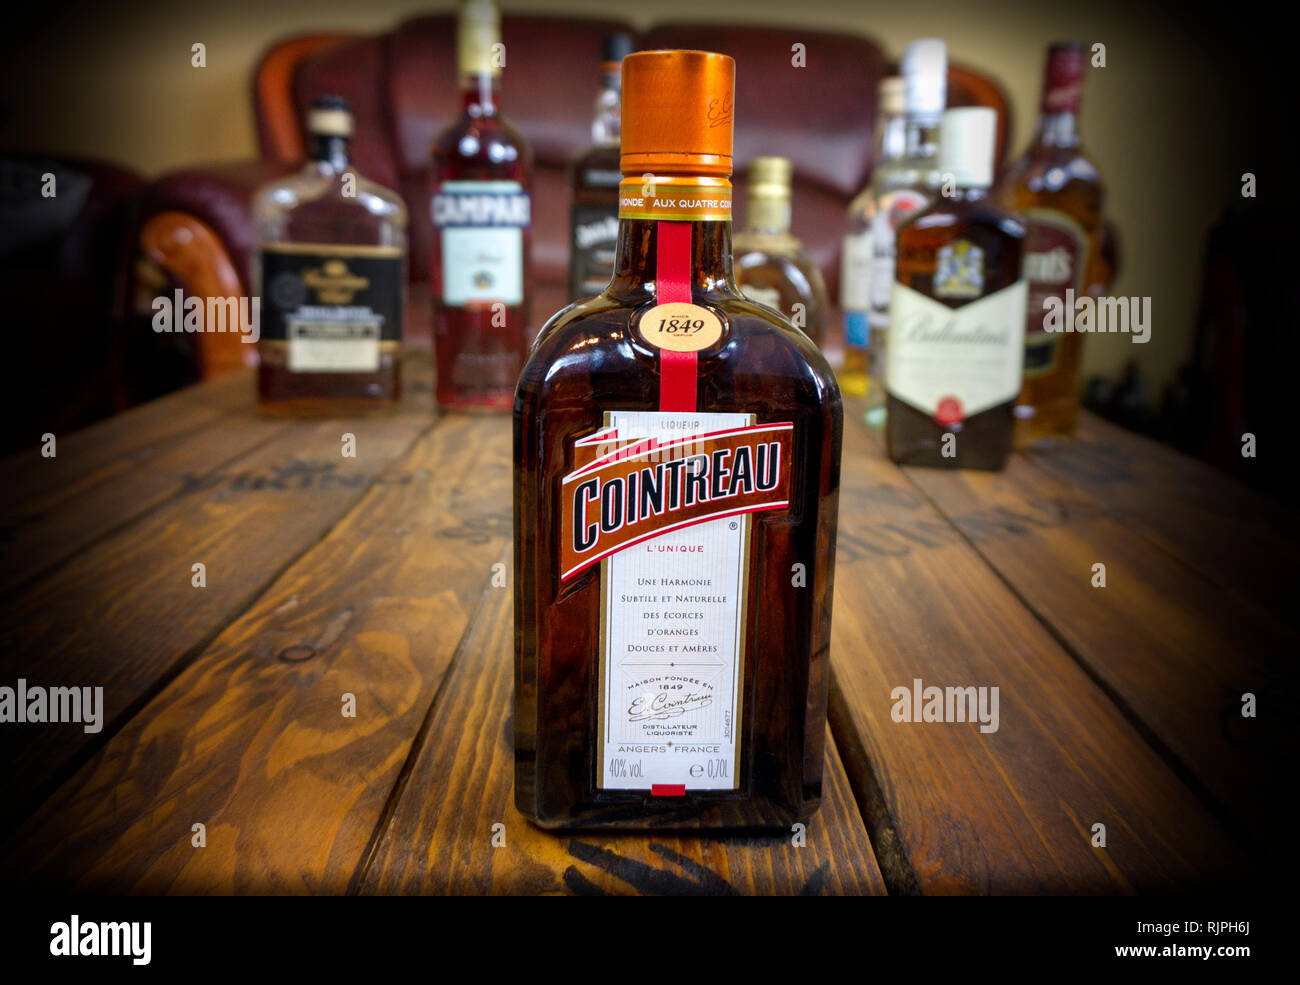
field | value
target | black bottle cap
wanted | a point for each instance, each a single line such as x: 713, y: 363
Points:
x: 616, y: 47
x: 331, y: 102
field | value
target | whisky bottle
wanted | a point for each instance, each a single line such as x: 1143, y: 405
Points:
x: 331, y: 276
x: 901, y: 185
x: 593, y: 223
x: 771, y: 265
x: 677, y: 455
x: 957, y: 316
x: 1055, y: 187
x: 481, y: 206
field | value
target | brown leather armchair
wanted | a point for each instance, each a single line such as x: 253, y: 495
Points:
x: 196, y: 224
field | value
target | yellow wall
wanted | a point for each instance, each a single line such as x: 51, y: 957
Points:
x: 123, y: 89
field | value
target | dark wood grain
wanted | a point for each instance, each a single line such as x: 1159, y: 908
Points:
x: 126, y: 616
x: 110, y: 448
x: 1009, y: 811
x: 1170, y: 643
x: 251, y: 741
x: 1236, y: 538
x: 439, y: 838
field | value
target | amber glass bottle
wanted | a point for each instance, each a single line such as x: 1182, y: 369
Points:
x: 677, y: 452
x: 482, y: 219
x: 331, y: 275
x: 593, y: 221
x: 771, y: 265
x: 957, y: 315
x: 1056, y: 188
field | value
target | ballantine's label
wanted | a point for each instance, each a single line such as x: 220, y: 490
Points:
x: 953, y: 363
x: 701, y: 199
x: 1055, y: 250
x: 481, y: 226
x: 663, y: 501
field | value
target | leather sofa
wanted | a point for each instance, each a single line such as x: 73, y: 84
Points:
x: 195, y: 224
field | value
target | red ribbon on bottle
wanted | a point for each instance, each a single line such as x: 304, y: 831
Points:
x: 678, y: 371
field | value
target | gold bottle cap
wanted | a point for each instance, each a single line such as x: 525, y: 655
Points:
x: 770, y: 177
x: 677, y: 113
x: 892, y: 96
x: 330, y: 116
x: 478, y: 30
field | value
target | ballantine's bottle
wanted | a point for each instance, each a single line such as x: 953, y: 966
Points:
x: 677, y: 456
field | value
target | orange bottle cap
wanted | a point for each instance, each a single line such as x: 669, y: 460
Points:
x: 677, y: 112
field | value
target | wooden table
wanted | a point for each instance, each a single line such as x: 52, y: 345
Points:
x: 376, y: 577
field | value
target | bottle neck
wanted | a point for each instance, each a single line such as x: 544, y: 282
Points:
x: 329, y: 150
x: 768, y: 216
x: 606, y: 126
x: 636, y: 266
x: 1059, y: 129
x: 921, y: 138
x: 480, y: 94
x: 891, y: 138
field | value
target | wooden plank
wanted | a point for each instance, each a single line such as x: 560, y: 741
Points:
x: 956, y: 810
x: 52, y: 526
x: 1173, y: 647
x: 126, y: 615
x: 96, y: 454
x: 1237, y: 538
x: 250, y: 739
x: 440, y: 835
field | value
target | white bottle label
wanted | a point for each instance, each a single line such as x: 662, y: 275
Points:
x: 855, y: 272
x: 673, y: 605
x: 953, y: 363
x: 481, y: 224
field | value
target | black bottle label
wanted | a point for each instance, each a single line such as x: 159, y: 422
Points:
x: 334, y: 307
x: 593, y: 245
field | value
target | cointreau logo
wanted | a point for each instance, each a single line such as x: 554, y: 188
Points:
x: 623, y: 491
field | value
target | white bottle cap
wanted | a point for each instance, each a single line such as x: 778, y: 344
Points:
x: 925, y: 77
x: 966, y: 143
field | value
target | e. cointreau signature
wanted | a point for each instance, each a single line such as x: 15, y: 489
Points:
x: 666, y: 705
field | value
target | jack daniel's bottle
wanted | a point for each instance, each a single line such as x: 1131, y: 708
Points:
x: 957, y: 316
x: 331, y: 275
x: 593, y: 225
x: 677, y: 454
x: 482, y: 216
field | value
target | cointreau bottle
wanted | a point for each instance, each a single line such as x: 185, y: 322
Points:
x: 331, y: 275
x: 481, y: 207
x: 677, y: 453
x: 904, y: 180
x: 771, y: 265
x: 1058, y: 192
x: 957, y: 317
x: 593, y: 224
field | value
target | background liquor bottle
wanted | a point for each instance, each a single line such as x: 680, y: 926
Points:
x: 900, y: 186
x: 1058, y: 192
x: 758, y: 658
x: 331, y: 275
x: 957, y: 320
x: 482, y: 214
x: 593, y: 226
x: 771, y: 266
